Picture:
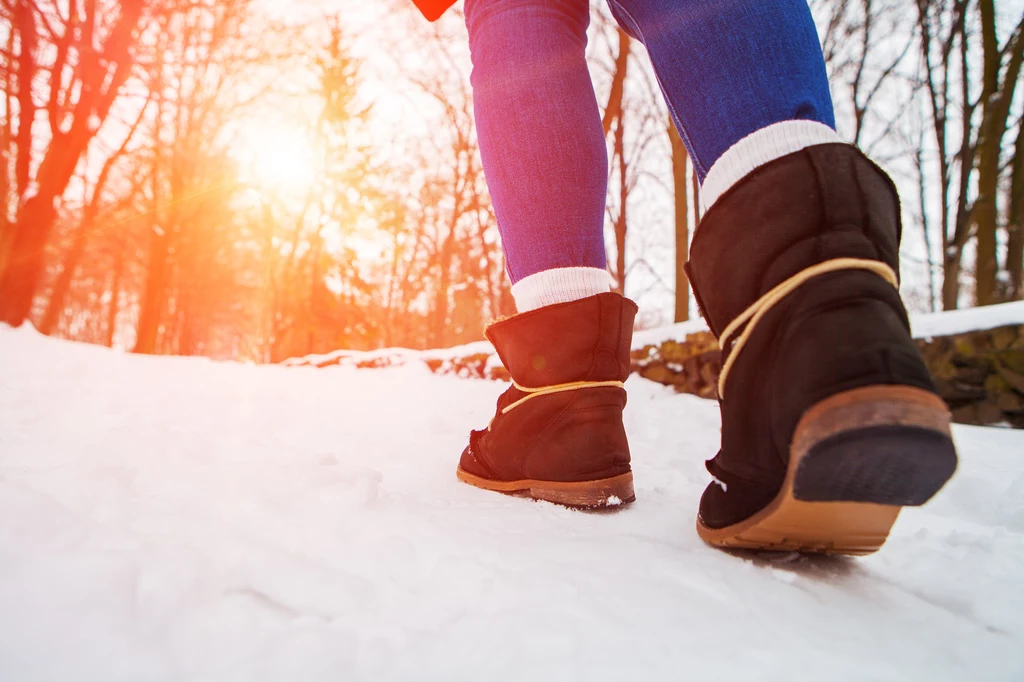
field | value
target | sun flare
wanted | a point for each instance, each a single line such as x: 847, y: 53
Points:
x: 276, y: 157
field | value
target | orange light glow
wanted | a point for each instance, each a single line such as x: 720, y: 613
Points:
x: 276, y: 157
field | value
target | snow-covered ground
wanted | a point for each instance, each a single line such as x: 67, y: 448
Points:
x: 180, y: 519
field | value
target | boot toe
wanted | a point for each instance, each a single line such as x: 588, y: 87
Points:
x: 470, y: 464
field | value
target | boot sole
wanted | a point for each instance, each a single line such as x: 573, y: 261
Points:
x: 604, y: 492
x: 857, y: 458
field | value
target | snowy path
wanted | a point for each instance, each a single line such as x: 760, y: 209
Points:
x: 178, y: 519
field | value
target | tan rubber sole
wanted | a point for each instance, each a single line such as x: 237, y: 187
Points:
x: 605, y: 492
x: 829, y: 527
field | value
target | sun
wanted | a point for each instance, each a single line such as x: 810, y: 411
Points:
x: 275, y: 156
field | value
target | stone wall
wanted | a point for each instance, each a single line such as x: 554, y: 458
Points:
x: 979, y: 374
x: 690, y: 365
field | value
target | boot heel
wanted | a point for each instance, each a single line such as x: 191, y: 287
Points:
x: 881, y: 444
x: 856, y: 459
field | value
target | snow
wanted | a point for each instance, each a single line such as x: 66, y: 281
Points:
x: 929, y: 325
x: 391, y: 356
x: 182, y: 519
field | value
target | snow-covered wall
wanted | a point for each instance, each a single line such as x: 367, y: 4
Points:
x: 976, y: 356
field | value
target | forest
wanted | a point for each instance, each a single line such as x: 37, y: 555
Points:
x: 262, y: 180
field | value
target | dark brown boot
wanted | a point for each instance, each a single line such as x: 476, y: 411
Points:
x: 830, y: 421
x: 557, y: 434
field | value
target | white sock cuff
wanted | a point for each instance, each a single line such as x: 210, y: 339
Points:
x: 559, y: 285
x: 757, y: 149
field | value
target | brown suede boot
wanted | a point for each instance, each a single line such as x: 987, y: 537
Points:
x: 830, y: 421
x: 557, y: 434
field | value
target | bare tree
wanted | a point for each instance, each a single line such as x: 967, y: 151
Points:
x: 615, y: 114
x: 680, y: 160
x: 970, y: 148
x: 1015, y: 223
x: 87, y: 225
x: 1001, y: 67
x: 940, y: 26
x: 197, y: 56
x: 91, y: 47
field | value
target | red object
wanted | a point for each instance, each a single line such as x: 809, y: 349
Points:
x: 432, y: 9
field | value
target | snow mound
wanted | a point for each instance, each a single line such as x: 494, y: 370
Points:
x: 181, y: 519
x: 387, y: 357
x: 949, y: 322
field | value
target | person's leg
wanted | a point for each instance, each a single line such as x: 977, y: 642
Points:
x: 542, y: 145
x: 744, y: 80
x: 830, y: 421
x: 557, y: 433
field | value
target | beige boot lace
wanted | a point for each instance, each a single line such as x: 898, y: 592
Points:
x: 557, y: 388
x: 751, y: 316
x: 532, y: 393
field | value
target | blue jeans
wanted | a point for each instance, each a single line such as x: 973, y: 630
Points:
x: 727, y: 68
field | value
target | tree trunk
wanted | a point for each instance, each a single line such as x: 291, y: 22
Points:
x: 679, y: 162
x: 985, y: 214
x: 614, y: 108
x: 152, y: 304
x: 21, y: 251
x: 950, y: 278
x: 315, y: 282
x: 926, y: 232
x: 985, y: 222
x: 115, y: 295
x: 99, y: 78
x: 6, y: 136
x: 1015, y: 228
x: 613, y: 115
x: 25, y: 25
x: 25, y: 260
x: 439, y: 321
x: 6, y: 239
x: 953, y: 246
x: 55, y: 306
x: 996, y: 98
x: 696, y: 200
x: 620, y: 220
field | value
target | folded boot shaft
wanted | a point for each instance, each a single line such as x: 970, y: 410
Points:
x: 561, y: 421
